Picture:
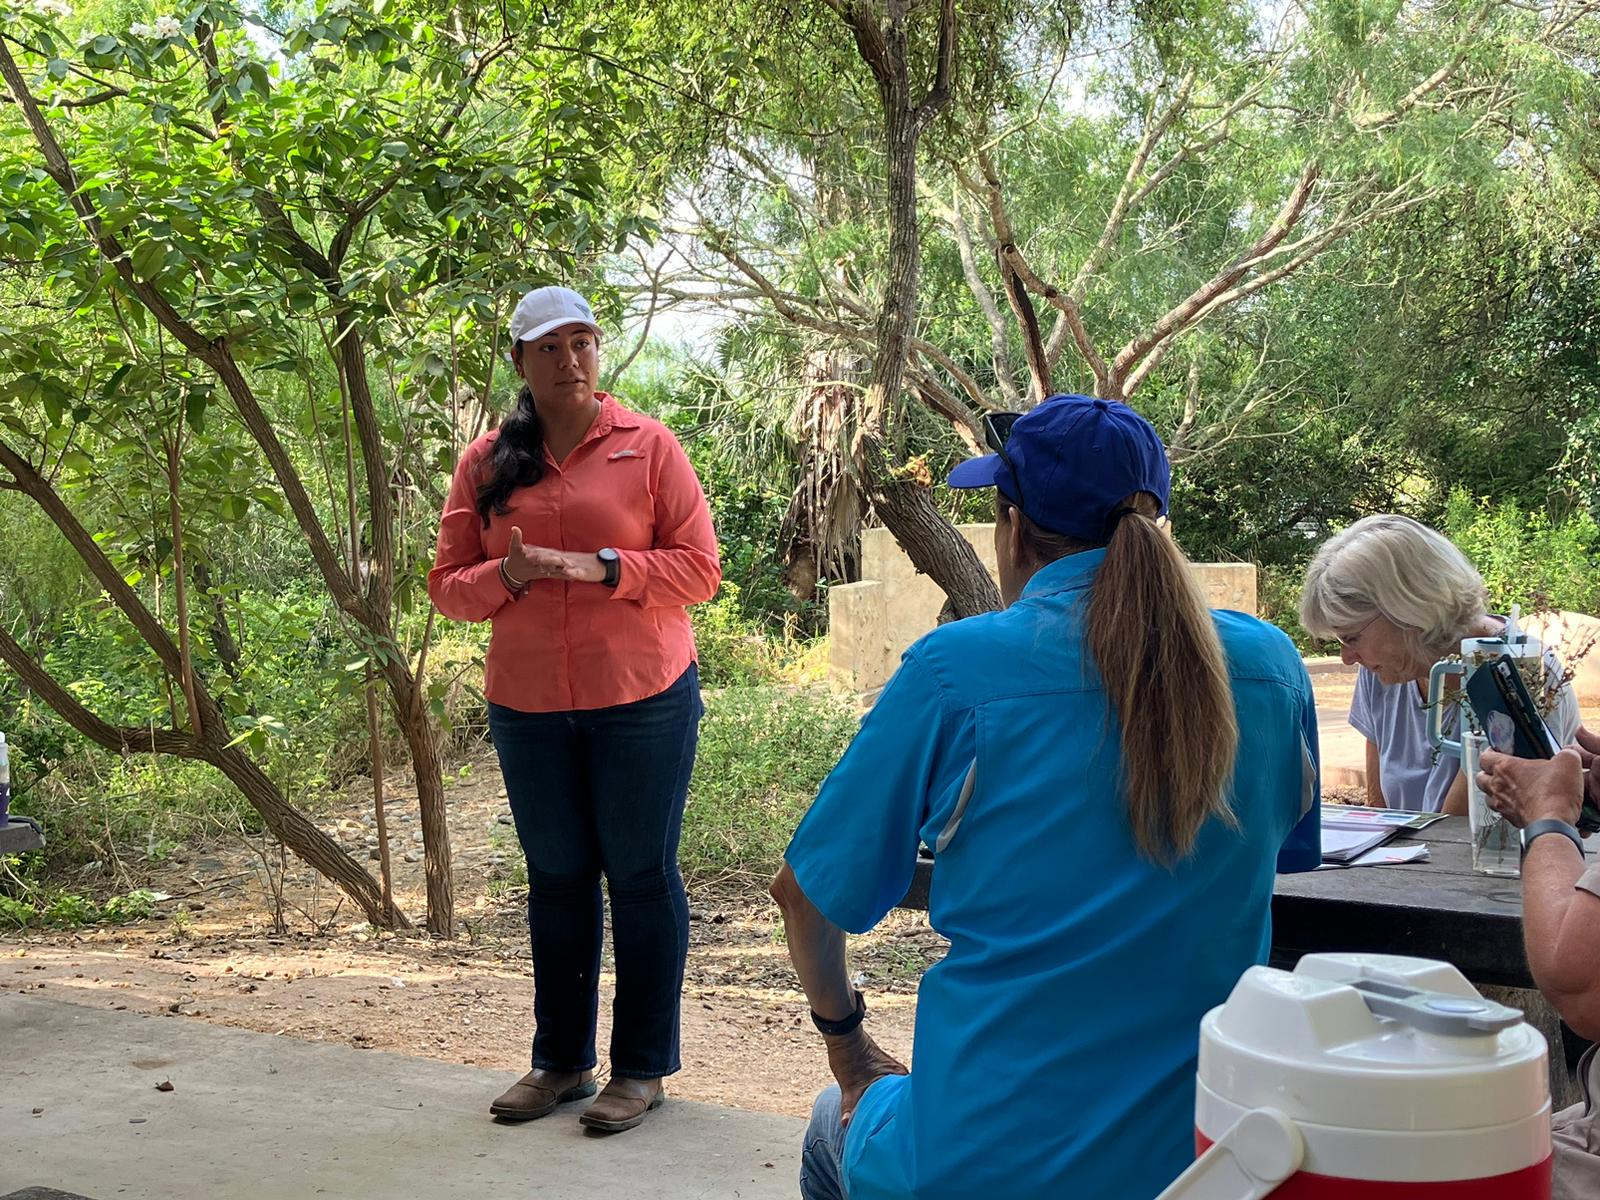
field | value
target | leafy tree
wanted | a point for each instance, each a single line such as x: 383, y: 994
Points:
x: 1195, y: 164
x: 281, y: 254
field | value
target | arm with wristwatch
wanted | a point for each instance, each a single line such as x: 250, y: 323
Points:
x: 1560, y: 904
x: 524, y: 564
x: 817, y: 949
x: 681, y: 567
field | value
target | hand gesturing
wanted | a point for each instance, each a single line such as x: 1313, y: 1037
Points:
x: 527, y: 563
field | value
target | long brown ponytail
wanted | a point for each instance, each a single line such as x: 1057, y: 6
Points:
x: 1163, y: 669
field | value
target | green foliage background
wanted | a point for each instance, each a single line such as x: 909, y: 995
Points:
x: 1443, y: 362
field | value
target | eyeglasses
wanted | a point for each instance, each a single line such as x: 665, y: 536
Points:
x: 996, y: 429
x: 1348, y: 640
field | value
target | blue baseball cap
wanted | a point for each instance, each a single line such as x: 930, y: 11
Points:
x: 1073, y: 460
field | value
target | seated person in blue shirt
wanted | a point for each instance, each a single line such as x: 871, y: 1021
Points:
x: 1102, y: 871
x: 1398, y: 597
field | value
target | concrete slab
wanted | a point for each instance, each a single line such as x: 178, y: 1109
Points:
x: 271, y: 1118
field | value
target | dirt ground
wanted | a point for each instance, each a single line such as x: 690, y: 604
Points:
x: 212, y: 953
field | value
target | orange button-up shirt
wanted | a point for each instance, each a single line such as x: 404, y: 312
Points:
x: 562, y: 645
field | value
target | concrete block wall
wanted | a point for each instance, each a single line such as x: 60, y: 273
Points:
x: 871, y: 623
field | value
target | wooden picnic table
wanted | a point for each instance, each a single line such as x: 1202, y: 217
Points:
x: 1439, y: 909
x: 1435, y: 909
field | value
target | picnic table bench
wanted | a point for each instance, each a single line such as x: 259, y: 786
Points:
x: 20, y: 833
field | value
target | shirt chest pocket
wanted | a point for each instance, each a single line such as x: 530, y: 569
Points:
x: 625, y: 474
x: 616, y: 496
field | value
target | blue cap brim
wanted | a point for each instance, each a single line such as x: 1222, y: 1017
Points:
x: 979, y: 472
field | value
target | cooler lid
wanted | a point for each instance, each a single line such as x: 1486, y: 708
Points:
x: 1373, y: 1041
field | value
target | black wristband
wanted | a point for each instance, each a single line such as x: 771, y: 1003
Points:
x: 1551, y: 825
x: 848, y: 1025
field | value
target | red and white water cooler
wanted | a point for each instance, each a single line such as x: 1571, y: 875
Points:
x: 1368, y: 1077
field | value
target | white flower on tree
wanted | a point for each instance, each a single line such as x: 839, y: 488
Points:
x: 141, y: 30
x: 168, y: 27
x: 52, y: 8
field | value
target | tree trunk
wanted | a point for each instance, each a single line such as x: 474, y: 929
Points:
x: 296, y: 831
x: 904, y: 503
x: 380, y: 818
x: 411, y: 711
x: 934, y: 546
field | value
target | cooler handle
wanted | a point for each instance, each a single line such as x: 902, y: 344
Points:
x: 1257, y: 1153
x: 1436, y: 677
x: 1436, y: 1012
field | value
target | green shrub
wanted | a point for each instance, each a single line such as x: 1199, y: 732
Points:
x: 764, y: 751
x: 1524, y: 557
x: 98, y: 805
x: 732, y: 652
x: 16, y: 914
x: 39, y: 905
x: 1278, y: 601
x: 69, y: 910
x: 137, y: 905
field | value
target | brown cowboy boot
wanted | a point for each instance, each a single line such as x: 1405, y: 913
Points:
x: 539, y: 1091
x: 623, y: 1104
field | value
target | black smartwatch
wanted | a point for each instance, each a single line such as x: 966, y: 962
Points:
x: 848, y: 1025
x: 612, y: 562
x: 1551, y: 825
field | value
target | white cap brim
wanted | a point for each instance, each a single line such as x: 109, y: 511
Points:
x: 538, y: 331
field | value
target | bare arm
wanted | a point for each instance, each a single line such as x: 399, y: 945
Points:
x: 1560, y: 921
x: 816, y: 947
x: 1374, y: 779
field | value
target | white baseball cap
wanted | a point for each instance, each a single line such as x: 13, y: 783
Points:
x: 547, y: 308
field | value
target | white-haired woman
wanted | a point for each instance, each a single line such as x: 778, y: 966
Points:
x: 1398, y: 597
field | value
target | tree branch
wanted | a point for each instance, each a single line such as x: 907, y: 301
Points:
x: 1011, y: 254
x: 654, y: 276
x: 1154, y: 132
x: 788, y: 305
x: 1369, y: 122
x: 984, y: 297
x: 1302, y: 252
x: 118, y: 738
x: 1176, y: 318
x: 862, y: 21
x: 363, y: 208
x: 1022, y: 308
x: 938, y: 96
x: 1071, y: 315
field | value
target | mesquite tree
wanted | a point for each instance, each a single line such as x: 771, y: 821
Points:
x: 305, y: 240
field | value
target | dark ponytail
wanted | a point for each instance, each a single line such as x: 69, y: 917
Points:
x: 1163, y: 670
x: 516, y: 460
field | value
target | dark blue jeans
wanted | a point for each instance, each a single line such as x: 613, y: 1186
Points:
x: 601, y: 791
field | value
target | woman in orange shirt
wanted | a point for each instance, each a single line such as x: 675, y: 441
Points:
x: 581, y: 532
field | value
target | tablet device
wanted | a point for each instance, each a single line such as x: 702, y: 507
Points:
x: 1506, y: 712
